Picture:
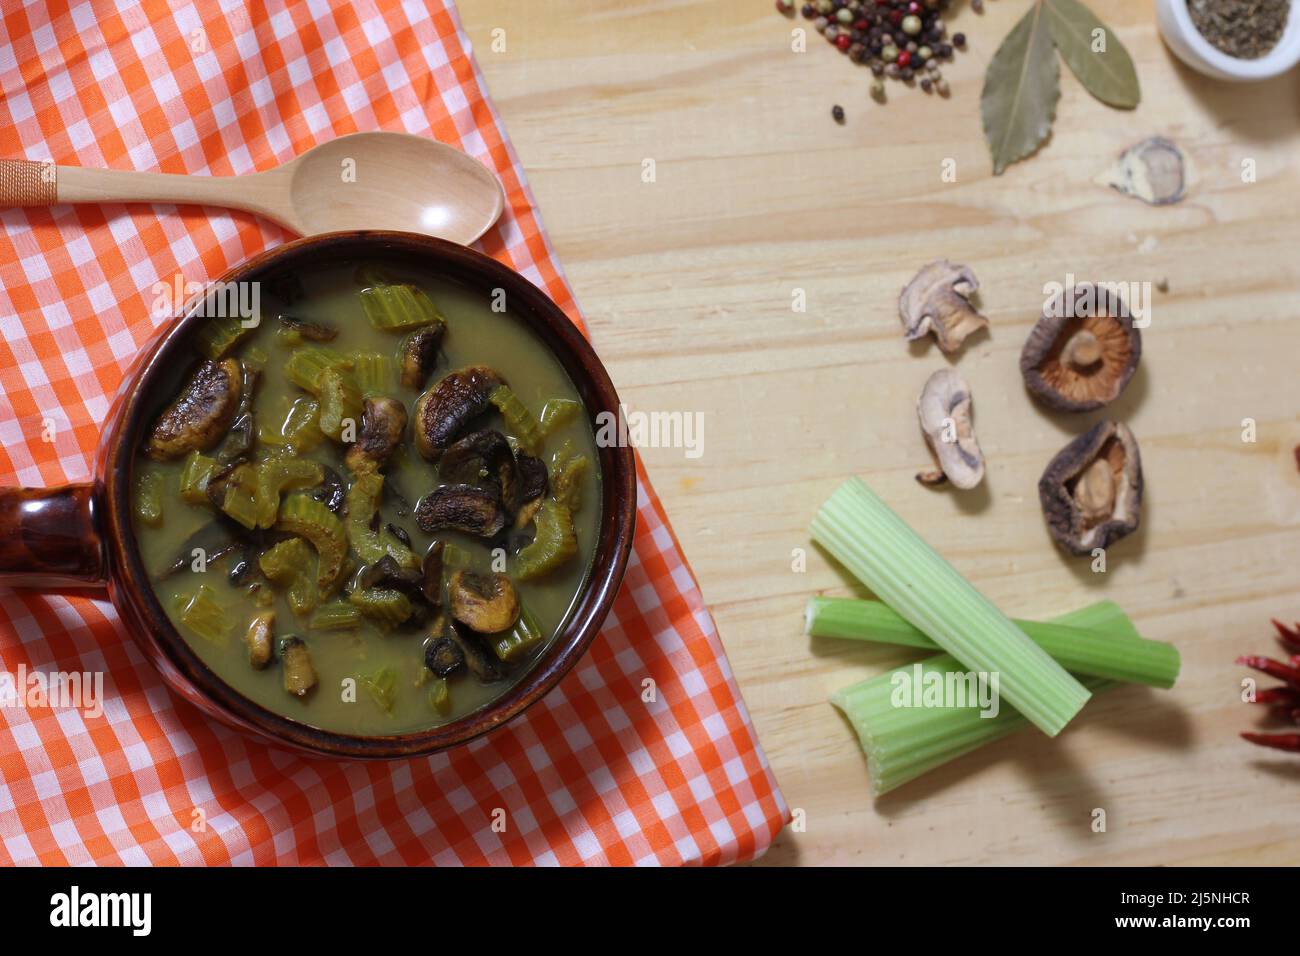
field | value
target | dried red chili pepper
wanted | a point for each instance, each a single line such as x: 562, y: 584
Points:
x: 1278, y: 695
x: 1290, y: 742
x: 1284, y: 700
x: 1266, y: 665
x: 1290, y: 637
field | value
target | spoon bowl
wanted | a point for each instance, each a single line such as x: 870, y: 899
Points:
x: 392, y: 181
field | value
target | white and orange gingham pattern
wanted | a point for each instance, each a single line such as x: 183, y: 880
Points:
x: 589, y: 775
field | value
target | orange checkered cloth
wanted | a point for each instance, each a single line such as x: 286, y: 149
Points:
x: 589, y: 775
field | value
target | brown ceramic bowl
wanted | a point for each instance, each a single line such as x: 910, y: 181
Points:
x: 80, y: 536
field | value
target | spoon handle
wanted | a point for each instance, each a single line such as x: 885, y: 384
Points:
x: 25, y: 182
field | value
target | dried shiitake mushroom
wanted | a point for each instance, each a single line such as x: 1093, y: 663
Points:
x: 944, y: 410
x: 466, y: 508
x: 431, y: 573
x: 444, y: 656
x: 485, y: 603
x: 258, y: 640
x: 534, y: 480
x: 481, y: 662
x: 446, y: 409
x: 419, y: 353
x: 938, y: 301
x: 482, y: 457
x: 383, y: 422
x: 1083, y: 351
x: 1152, y: 170
x: 1091, y: 491
x: 201, y: 413
x: 299, y: 674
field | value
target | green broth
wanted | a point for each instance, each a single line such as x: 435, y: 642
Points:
x: 476, y: 335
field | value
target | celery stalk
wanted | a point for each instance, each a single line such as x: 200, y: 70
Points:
x: 903, y: 743
x: 874, y: 543
x: 1133, y: 660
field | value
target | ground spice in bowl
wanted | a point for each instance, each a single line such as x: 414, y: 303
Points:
x: 1246, y: 29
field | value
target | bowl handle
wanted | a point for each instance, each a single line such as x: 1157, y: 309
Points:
x: 50, y: 540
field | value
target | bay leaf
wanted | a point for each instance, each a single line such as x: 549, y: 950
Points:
x: 1094, y: 53
x: 1021, y: 87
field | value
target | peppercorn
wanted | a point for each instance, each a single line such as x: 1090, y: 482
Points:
x: 926, y: 84
x: 825, y: 6
x: 924, y: 53
x: 785, y: 6
x: 905, y: 59
x: 878, y: 90
x: 911, y: 25
x: 837, y: 113
x: 877, y: 68
x: 842, y: 42
x: 889, y: 53
x: 959, y: 40
x: 844, y: 15
x: 808, y: 11
x: 941, y: 86
x: 977, y: 5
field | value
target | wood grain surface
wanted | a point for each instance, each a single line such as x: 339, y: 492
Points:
x: 688, y: 281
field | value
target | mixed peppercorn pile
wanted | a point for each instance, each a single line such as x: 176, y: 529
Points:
x: 901, y: 39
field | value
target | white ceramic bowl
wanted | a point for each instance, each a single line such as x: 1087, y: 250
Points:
x: 1197, y: 52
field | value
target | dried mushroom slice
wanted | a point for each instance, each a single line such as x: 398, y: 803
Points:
x: 444, y: 656
x: 383, y: 421
x: 258, y: 639
x: 1153, y: 171
x: 388, y: 574
x: 937, y: 301
x: 311, y: 331
x: 485, y: 603
x: 298, y: 673
x: 201, y: 414
x: 419, y: 354
x: 1083, y: 351
x: 446, y: 409
x: 481, y: 663
x: 944, y: 411
x: 1091, y: 491
x: 431, y: 573
x: 534, y: 481
x: 464, y: 508
x: 482, y: 458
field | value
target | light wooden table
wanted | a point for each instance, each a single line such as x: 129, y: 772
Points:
x: 688, y: 282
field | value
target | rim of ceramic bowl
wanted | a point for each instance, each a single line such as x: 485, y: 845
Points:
x: 556, y: 333
x: 1283, y: 57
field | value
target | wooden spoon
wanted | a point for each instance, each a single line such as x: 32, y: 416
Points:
x: 361, y: 181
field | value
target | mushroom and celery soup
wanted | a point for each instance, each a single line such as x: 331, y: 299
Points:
x: 371, y: 511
